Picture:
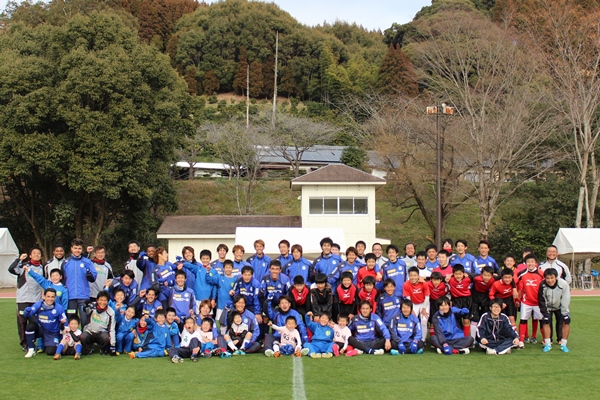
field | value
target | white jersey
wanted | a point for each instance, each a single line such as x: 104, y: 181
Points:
x: 288, y: 336
x: 68, y: 337
x: 341, y: 335
x: 186, y: 337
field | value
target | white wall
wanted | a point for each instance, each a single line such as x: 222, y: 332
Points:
x: 356, y: 227
x: 176, y: 245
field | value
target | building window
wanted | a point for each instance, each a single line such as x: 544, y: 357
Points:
x: 338, y: 205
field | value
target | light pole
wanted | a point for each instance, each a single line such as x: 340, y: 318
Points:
x: 438, y: 111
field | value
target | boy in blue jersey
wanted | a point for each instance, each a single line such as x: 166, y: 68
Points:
x: 299, y: 266
x: 326, y: 262
x: 148, y: 304
x: 432, y: 253
x: 249, y: 287
x: 406, y: 332
x: 62, y: 294
x: 369, y: 333
x: 125, y: 327
x: 449, y: 338
x: 181, y: 298
x: 224, y: 284
x: 50, y: 317
x: 203, y: 287
x: 485, y: 260
x: 145, y: 263
x: 321, y: 345
x: 394, y: 269
x: 273, y: 286
x: 238, y: 260
x: 127, y: 283
x: 284, y: 252
x: 78, y: 272
x: 463, y: 258
x: 279, y: 318
x: 388, y: 304
x: 173, y: 322
x: 217, y: 264
x: 158, y: 337
x: 259, y: 261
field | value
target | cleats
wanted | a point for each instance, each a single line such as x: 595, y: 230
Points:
x: 226, y: 354
x: 533, y: 340
x: 57, y: 356
x: 464, y: 351
x: 439, y: 351
x: 521, y: 345
x: 420, y: 351
x: 277, y: 354
x: 394, y: 352
x: 177, y: 359
x: 269, y: 353
x: 132, y: 355
x: 304, y: 352
x: 327, y: 355
x: 351, y: 353
x: 379, y: 352
x: 207, y: 354
x: 77, y: 356
x: 30, y: 353
x: 527, y: 340
x: 336, y: 349
x: 547, y: 348
x: 315, y: 355
x: 564, y: 348
x: 490, y: 351
x: 193, y: 358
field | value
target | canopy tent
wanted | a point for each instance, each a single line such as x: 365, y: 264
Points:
x: 577, y: 243
x: 8, y: 252
x: 308, y: 238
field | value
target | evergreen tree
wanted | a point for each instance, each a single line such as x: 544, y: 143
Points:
x: 397, y: 75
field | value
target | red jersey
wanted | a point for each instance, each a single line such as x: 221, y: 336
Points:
x: 444, y: 271
x: 371, y: 297
x: 480, y: 286
x: 529, y: 286
x: 460, y: 289
x: 346, y: 295
x: 300, y: 297
x: 437, y: 292
x: 362, y: 274
x: 518, y: 270
x: 500, y: 290
x: 416, y: 292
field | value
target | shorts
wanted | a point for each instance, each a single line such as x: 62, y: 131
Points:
x: 463, y: 302
x: 527, y: 311
x: 417, y: 310
x: 510, y: 310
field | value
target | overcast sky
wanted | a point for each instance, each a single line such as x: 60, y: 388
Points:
x: 372, y: 14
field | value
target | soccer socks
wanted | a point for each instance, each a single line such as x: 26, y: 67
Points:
x: 431, y: 331
x: 275, y: 347
x: 245, y: 344
x: 59, y: 348
x: 563, y: 342
x: 467, y: 330
x: 522, y: 331
x: 231, y: 346
x: 534, y: 328
x: 548, y: 341
x: 78, y: 348
x: 473, y: 329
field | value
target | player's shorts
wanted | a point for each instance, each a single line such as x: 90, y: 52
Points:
x: 510, y: 310
x: 417, y: 309
x: 527, y: 311
x: 463, y: 302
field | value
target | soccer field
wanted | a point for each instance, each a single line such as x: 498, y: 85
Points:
x: 526, y: 374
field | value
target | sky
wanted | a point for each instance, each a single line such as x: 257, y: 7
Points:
x: 371, y: 14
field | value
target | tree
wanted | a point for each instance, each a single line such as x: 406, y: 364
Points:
x: 496, y: 83
x: 355, y: 157
x: 292, y: 136
x: 88, y: 123
x: 256, y: 79
x: 210, y: 83
x: 397, y: 75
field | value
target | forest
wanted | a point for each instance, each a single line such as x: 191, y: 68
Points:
x: 99, y: 98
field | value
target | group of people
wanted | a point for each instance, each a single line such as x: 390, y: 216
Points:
x: 338, y: 304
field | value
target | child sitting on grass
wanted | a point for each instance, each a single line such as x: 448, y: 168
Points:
x: 70, y: 343
x: 495, y: 334
x: 237, y: 333
x: 406, y: 331
x: 190, y: 343
x: 158, y: 340
x: 321, y: 345
x: 449, y: 338
x: 290, y: 342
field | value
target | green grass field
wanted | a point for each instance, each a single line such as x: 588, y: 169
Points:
x: 526, y: 374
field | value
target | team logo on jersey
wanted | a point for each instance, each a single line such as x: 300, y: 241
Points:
x: 531, y: 282
x: 304, y: 268
x: 187, y: 295
x: 327, y: 333
x: 54, y: 312
x: 416, y: 290
x: 81, y: 265
x: 333, y: 262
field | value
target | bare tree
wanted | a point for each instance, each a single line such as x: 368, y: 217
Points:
x: 495, y: 81
x: 569, y: 36
x: 292, y: 136
x: 236, y: 146
x: 190, y: 149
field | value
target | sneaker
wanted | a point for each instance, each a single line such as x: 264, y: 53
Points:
x: 193, y: 358
x: 132, y: 355
x: 336, y: 350
x: 77, y: 356
x: 207, y: 354
x: 241, y: 352
x: 40, y: 350
x: 359, y: 351
x: 277, y: 354
x: 57, y: 356
x: 379, y: 352
x: 298, y: 353
x: 527, y: 340
x: 327, y: 355
x: 439, y: 351
x: 30, y: 353
x: 547, y: 348
x: 490, y: 351
x: 166, y: 353
x: 175, y: 359
x: 464, y: 351
x: 420, y: 351
x: 394, y: 352
x: 304, y: 351
x: 521, y: 345
x: 315, y: 355
x: 269, y: 353
x: 226, y: 354
x: 352, y: 353
x: 217, y: 352
x: 118, y: 353
x: 533, y: 341
x: 237, y: 353
x: 564, y: 349
x: 507, y: 351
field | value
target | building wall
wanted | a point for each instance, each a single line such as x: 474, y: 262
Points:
x: 176, y: 245
x: 356, y: 227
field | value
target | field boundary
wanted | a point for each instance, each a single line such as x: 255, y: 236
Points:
x: 298, y: 391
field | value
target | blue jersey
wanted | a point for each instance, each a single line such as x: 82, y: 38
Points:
x: 148, y: 308
x: 284, y: 260
x: 279, y: 318
x: 394, y: 270
x: 260, y: 265
x: 325, y: 264
x: 237, y: 267
x: 203, y: 290
x: 223, y: 284
x: 250, y: 291
x: 131, y: 291
x: 320, y: 333
x: 334, y: 278
x: 217, y: 266
x: 62, y: 293
x: 50, y: 318
x: 487, y: 262
x: 388, y: 307
x: 159, y: 337
x: 182, y: 300
x: 125, y: 325
x: 173, y: 334
x: 468, y: 261
x: 405, y: 329
x: 369, y: 328
x: 446, y: 327
x: 298, y: 267
x: 272, y: 290
x: 164, y: 273
x: 145, y: 265
x: 430, y: 266
x: 78, y: 272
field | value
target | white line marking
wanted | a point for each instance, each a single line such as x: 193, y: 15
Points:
x: 298, y: 392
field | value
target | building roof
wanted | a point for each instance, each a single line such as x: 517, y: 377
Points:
x: 221, y: 224
x: 337, y: 174
x: 319, y: 154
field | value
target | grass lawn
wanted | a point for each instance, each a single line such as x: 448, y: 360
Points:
x: 526, y: 374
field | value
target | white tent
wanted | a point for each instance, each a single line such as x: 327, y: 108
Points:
x: 577, y: 243
x: 8, y: 252
x: 308, y: 238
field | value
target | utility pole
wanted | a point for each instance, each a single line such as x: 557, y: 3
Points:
x: 274, y: 117
x: 248, y: 96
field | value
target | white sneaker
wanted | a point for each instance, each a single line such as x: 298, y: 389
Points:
x: 360, y: 351
x: 30, y: 353
x: 304, y: 351
x: 315, y: 355
x: 490, y: 351
x: 464, y: 351
x: 439, y: 351
x: 326, y: 355
x: 269, y: 353
x: 379, y: 352
x: 507, y: 351
x: 521, y: 345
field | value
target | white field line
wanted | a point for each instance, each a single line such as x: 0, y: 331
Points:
x: 298, y: 392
